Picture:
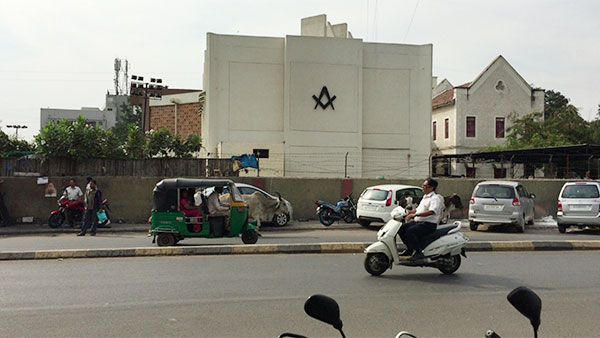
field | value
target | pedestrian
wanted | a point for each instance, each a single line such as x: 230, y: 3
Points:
x: 93, y: 204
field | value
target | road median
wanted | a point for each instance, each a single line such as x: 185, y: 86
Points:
x: 265, y: 249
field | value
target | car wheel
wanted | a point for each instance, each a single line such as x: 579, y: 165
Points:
x: 363, y: 222
x: 521, y: 225
x: 473, y: 226
x: 562, y: 228
x: 280, y: 220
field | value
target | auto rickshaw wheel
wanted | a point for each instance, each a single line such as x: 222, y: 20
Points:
x: 250, y: 237
x: 165, y: 239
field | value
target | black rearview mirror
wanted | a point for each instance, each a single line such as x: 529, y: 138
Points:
x: 325, y: 309
x: 528, y: 303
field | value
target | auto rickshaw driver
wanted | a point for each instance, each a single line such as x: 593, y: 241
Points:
x: 218, y: 208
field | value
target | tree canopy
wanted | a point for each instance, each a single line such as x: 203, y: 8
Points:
x: 559, y: 125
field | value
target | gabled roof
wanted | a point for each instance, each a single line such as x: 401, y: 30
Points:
x: 499, y: 58
x: 444, y: 99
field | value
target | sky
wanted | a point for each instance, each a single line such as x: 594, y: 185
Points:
x: 60, y: 53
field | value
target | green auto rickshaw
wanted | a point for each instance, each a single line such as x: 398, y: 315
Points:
x: 170, y: 225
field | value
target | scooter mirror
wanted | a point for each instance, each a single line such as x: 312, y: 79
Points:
x: 325, y: 309
x: 528, y: 303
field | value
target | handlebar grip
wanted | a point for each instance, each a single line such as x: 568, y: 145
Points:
x: 291, y: 335
x: 491, y: 334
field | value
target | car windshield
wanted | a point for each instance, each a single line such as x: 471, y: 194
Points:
x: 495, y: 191
x: 580, y: 191
x: 375, y: 195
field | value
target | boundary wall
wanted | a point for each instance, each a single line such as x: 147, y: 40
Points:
x: 131, y: 197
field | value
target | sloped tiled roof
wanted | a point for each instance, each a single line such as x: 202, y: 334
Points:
x: 444, y: 99
x: 465, y: 85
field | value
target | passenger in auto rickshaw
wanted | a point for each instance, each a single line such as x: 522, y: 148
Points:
x: 190, y: 210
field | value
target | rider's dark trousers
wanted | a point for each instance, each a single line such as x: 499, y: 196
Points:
x: 411, y: 232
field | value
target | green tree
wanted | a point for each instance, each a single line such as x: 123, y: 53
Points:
x: 159, y: 142
x: 135, y: 145
x: 131, y: 116
x: 76, y: 139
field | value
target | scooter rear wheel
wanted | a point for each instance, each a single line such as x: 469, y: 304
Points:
x: 452, y: 267
x: 376, y: 263
x: 56, y: 220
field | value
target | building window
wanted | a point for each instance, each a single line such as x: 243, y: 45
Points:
x: 470, y: 126
x: 471, y: 172
x: 434, y: 130
x: 499, y: 127
x: 446, y: 127
x: 499, y: 172
x: 261, y: 153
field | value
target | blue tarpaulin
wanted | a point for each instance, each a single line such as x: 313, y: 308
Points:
x: 246, y: 161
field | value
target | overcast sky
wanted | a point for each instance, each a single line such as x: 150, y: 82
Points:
x: 60, y: 54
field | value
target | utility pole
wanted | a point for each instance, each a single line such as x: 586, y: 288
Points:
x: 17, y: 127
x: 146, y: 90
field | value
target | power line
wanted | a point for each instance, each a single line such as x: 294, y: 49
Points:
x: 411, y: 20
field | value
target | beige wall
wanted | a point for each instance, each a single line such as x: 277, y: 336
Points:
x: 259, y: 91
x: 131, y: 197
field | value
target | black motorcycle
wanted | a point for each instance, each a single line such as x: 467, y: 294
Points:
x: 344, y: 209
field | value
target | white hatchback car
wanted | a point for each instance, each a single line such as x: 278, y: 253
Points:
x: 376, y: 202
x: 578, y: 205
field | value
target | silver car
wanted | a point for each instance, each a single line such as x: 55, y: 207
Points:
x: 501, y: 202
x: 578, y: 205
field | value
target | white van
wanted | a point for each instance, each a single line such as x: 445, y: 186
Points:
x: 376, y: 202
x: 578, y: 205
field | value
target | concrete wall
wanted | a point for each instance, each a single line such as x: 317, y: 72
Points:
x: 131, y: 198
x: 103, y: 118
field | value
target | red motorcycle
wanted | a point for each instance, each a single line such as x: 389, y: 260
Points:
x: 76, y: 208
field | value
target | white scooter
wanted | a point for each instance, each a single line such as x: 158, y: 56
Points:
x: 443, y: 247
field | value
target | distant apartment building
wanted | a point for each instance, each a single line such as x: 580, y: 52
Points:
x: 474, y: 116
x: 104, y: 119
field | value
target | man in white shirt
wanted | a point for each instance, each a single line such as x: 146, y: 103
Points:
x: 72, y: 193
x: 426, y: 218
x: 216, y: 208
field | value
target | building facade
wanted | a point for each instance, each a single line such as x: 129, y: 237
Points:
x: 322, y: 104
x: 102, y: 118
x: 476, y: 115
x: 180, y: 113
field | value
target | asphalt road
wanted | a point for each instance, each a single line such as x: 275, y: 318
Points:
x: 131, y: 240
x: 262, y: 296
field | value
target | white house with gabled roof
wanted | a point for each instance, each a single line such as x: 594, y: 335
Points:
x: 475, y: 115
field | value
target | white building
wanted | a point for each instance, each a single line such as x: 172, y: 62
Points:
x: 475, y: 116
x: 322, y: 104
x: 103, y: 118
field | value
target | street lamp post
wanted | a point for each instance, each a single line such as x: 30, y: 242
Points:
x: 145, y: 90
x: 17, y: 127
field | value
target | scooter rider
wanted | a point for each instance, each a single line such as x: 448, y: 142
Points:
x: 426, y: 218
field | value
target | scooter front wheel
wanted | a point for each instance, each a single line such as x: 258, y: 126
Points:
x: 56, y: 220
x: 376, y: 263
x: 325, y: 218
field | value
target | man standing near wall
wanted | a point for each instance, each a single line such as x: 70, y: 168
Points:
x: 93, y: 200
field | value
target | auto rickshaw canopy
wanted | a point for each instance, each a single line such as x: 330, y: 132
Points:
x: 165, y: 192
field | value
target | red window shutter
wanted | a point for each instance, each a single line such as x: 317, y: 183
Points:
x: 470, y: 126
x: 434, y: 130
x: 499, y: 127
x: 446, y: 127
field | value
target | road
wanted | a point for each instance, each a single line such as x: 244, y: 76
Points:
x: 262, y: 296
x: 130, y: 240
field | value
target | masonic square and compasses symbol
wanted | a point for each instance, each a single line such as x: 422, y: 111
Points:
x: 330, y: 99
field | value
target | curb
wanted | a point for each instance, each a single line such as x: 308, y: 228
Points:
x: 263, y: 249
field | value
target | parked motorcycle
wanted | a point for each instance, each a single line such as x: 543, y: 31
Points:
x: 443, y: 247
x: 344, y: 209
x: 77, y: 209
x: 327, y: 310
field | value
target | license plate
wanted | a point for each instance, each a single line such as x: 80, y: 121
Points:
x: 493, y: 207
x: 580, y: 207
x: 369, y: 207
